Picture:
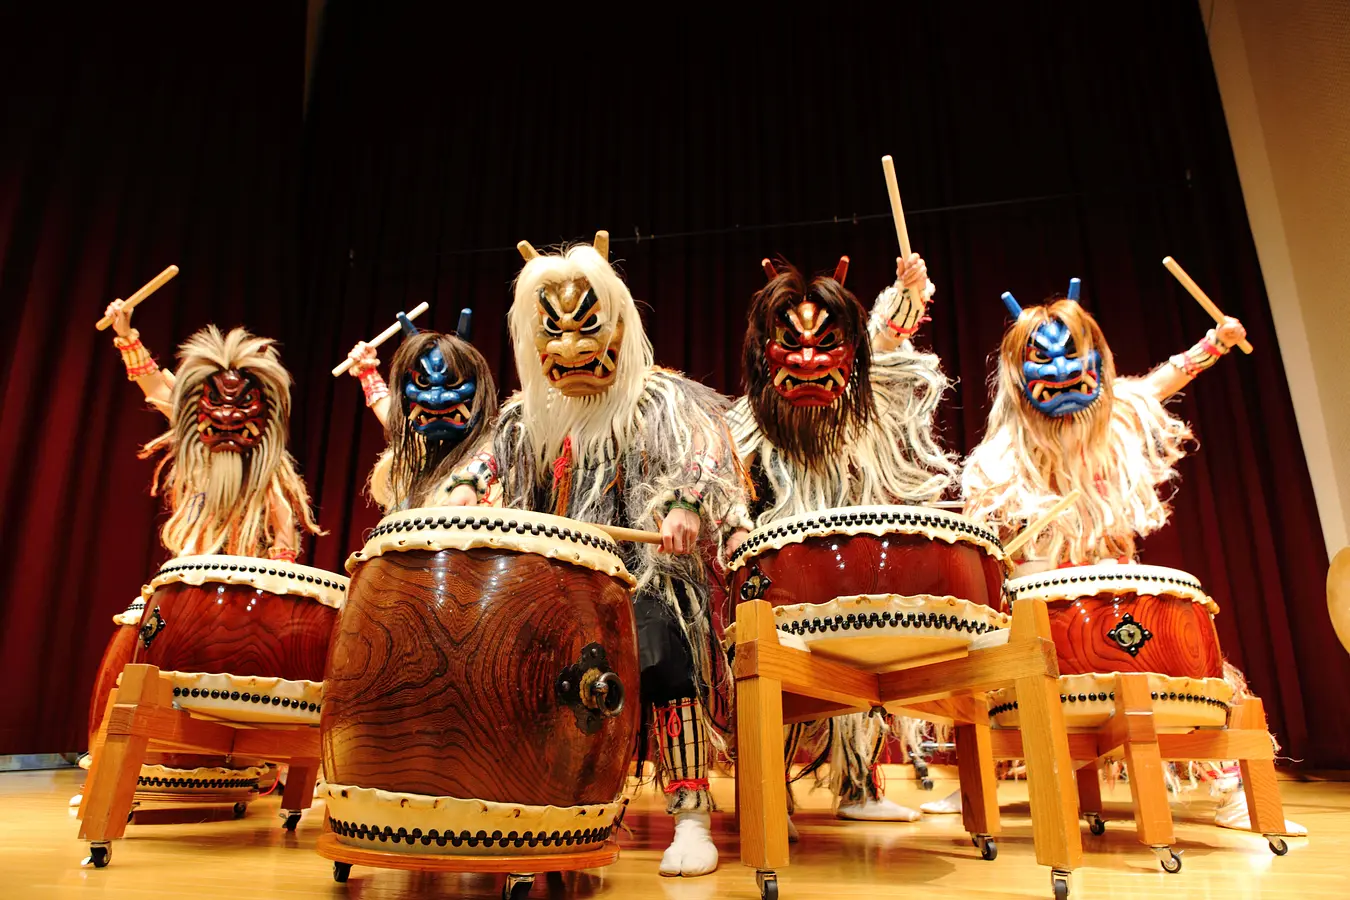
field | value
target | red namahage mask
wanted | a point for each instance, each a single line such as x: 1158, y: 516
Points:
x: 232, y: 412
x: 810, y: 362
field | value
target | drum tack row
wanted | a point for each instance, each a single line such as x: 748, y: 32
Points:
x: 474, y: 683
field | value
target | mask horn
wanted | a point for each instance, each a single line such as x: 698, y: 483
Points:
x: 464, y: 329
x: 1014, y: 309
x: 770, y: 272
x: 527, y: 251
x: 1075, y: 284
x: 409, y: 329
x: 841, y: 270
x: 601, y: 244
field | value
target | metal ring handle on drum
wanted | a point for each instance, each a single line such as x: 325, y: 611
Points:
x: 608, y: 694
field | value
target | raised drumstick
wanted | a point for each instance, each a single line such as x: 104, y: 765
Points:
x: 1200, y: 297
x: 134, y: 300
x: 1036, y: 527
x: 897, y: 211
x: 381, y: 338
x: 630, y: 534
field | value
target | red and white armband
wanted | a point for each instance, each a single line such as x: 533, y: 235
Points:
x: 135, y: 357
x: 1204, y: 354
x: 900, y: 309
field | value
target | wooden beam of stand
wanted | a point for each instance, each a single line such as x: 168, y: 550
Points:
x: 381, y: 337
x: 1201, y: 297
x: 146, y: 290
x: 1038, y: 526
x: 804, y: 673
x: 897, y: 211
x: 982, y: 670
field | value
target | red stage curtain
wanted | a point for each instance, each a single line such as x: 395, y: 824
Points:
x: 135, y: 136
x: 1033, y: 144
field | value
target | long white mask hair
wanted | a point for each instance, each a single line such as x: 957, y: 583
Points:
x: 593, y: 422
x: 218, y: 502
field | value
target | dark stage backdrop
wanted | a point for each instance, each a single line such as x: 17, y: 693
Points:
x: 1032, y: 145
x: 135, y: 135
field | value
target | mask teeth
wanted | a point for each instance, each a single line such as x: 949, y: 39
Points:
x: 837, y: 374
x: 778, y: 379
x: 252, y: 428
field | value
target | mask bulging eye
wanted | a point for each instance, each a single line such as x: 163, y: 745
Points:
x: 421, y: 380
x: 829, y: 340
x: 1035, y: 355
x: 788, y: 338
x: 591, y: 326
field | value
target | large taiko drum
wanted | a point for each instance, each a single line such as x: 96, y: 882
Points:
x: 244, y: 639
x: 1129, y: 618
x: 879, y: 587
x: 475, y: 690
x: 170, y: 777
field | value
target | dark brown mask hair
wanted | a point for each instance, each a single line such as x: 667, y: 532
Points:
x: 419, y: 466
x: 808, y: 435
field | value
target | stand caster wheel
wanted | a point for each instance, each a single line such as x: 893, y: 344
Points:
x: 987, y: 845
x: 340, y: 872
x: 768, y: 885
x: 1095, y: 823
x: 240, y: 809
x: 292, y: 817
x: 1059, y: 882
x: 1277, y: 845
x: 926, y: 784
x: 517, y: 887
x: 1169, y: 859
x: 100, y: 854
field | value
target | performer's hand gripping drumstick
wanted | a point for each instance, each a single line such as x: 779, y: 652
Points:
x: 380, y: 338
x: 1202, y: 298
x: 134, y: 300
x: 154, y: 382
x: 892, y: 326
x: 1010, y: 549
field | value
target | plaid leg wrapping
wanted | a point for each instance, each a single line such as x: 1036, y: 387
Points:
x: 682, y: 736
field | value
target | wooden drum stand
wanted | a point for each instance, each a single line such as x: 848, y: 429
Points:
x: 777, y: 684
x: 141, y: 718
x: 1131, y: 731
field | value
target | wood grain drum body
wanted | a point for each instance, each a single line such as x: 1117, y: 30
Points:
x: 1129, y: 618
x: 879, y: 587
x: 475, y: 689
x: 244, y: 639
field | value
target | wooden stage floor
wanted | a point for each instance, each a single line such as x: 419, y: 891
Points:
x: 253, y: 858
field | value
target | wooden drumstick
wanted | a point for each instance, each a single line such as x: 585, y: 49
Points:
x: 601, y: 243
x: 381, y: 337
x: 1200, y: 297
x: 1036, y: 527
x: 897, y: 211
x: 134, y: 300
x: 629, y: 534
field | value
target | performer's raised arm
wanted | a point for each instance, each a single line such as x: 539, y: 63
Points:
x: 901, y: 308
x: 1182, y: 368
x: 156, y: 383
x: 365, y: 368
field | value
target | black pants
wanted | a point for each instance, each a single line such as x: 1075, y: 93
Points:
x: 665, y: 658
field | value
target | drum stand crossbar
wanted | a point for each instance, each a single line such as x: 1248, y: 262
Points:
x: 141, y: 718
x: 777, y: 684
x: 1130, y: 732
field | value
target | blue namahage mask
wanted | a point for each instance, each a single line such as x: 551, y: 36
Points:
x: 1057, y: 379
x: 440, y: 405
